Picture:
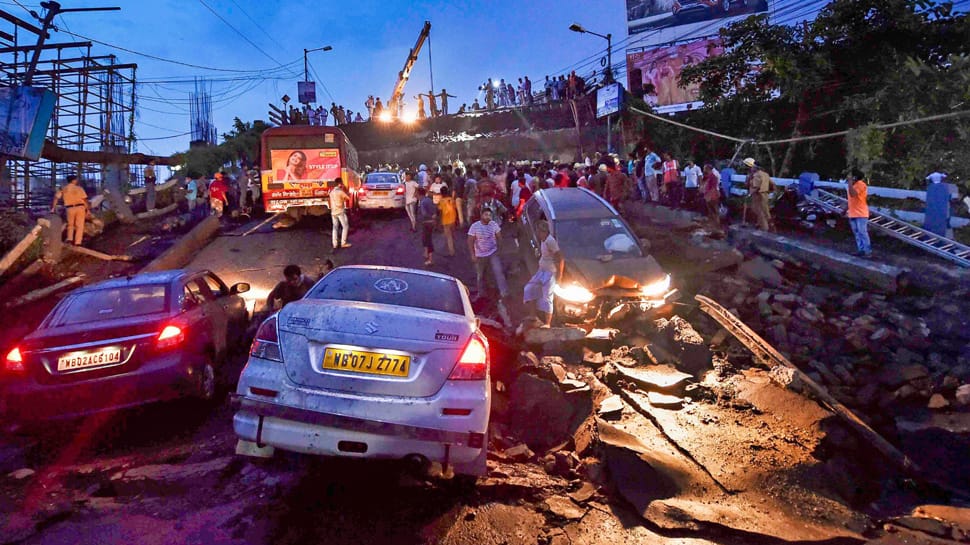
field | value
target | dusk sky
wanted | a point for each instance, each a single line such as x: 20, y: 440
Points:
x: 470, y: 41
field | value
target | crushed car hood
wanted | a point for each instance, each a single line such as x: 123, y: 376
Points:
x: 595, y: 274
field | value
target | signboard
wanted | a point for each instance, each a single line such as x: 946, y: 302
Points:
x: 25, y: 113
x: 644, y: 15
x: 608, y: 99
x: 659, y: 70
x: 306, y: 91
x: 301, y: 173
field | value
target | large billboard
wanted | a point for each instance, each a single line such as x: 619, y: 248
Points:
x: 657, y: 71
x: 25, y: 113
x: 644, y: 15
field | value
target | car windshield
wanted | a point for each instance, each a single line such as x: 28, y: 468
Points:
x: 111, y: 304
x: 381, y: 179
x: 596, y: 238
x: 391, y: 288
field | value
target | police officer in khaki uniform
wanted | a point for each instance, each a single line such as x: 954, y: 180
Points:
x: 76, y: 203
x: 759, y: 187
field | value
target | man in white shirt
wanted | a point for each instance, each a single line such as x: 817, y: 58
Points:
x: 423, y: 176
x: 435, y: 188
x: 692, y: 175
x: 411, y: 199
x: 483, y: 248
x: 650, y: 185
x: 539, y: 288
x: 339, y: 201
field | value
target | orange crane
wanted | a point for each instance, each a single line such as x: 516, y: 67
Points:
x: 402, y: 78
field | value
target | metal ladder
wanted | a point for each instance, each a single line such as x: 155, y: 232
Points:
x: 907, y: 232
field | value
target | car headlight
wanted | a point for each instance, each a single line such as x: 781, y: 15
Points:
x: 574, y: 293
x: 656, y: 289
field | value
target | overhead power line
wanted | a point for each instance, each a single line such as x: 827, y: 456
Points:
x: 241, y: 34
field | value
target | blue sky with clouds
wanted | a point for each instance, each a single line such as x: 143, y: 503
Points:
x: 470, y: 41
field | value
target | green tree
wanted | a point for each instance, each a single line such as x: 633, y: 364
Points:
x: 239, y: 146
x: 860, y: 63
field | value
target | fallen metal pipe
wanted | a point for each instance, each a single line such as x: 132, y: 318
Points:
x: 18, y: 250
x: 44, y: 292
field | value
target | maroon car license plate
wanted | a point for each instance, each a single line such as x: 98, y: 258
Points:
x: 84, y: 359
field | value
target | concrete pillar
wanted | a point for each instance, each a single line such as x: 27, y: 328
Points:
x: 115, y: 176
x: 53, y: 239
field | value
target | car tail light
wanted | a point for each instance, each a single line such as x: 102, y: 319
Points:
x: 473, y: 363
x: 14, y: 362
x: 400, y: 190
x: 171, y: 335
x: 266, y: 345
x: 362, y: 192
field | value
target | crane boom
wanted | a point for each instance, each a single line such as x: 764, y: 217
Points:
x: 402, y: 78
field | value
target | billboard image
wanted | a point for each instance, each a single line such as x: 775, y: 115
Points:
x: 643, y: 15
x: 25, y: 113
x: 658, y: 70
x: 608, y: 100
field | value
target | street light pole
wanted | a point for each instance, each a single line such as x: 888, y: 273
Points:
x: 608, y: 78
x: 306, y: 65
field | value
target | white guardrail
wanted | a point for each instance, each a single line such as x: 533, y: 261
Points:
x: 888, y: 192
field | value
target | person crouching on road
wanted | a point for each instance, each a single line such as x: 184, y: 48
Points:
x: 483, y: 238
x: 339, y: 201
x: 76, y: 203
x: 293, y: 287
x: 539, y: 288
x: 449, y: 217
x: 858, y: 212
x: 427, y: 213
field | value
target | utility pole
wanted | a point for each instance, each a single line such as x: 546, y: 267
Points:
x: 53, y: 10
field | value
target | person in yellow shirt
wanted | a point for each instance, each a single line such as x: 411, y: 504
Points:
x: 858, y: 211
x: 76, y: 203
x: 759, y: 187
x: 448, y: 212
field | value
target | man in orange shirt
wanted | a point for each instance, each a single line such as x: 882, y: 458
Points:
x: 858, y: 212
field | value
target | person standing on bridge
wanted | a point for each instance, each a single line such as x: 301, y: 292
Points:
x: 339, y: 201
x: 76, y: 204
x: 444, y: 100
x: 370, y: 107
x: 858, y: 212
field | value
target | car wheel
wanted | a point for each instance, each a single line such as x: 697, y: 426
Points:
x: 208, y: 384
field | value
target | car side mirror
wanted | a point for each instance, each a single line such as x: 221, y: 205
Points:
x: 241, y: 287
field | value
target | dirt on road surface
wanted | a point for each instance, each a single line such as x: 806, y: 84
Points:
x: 648, y: 436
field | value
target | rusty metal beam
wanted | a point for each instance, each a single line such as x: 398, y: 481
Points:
x: 15, y: 65
x: 20, y: 22
x: 86, y: 69
x: 26, y: 48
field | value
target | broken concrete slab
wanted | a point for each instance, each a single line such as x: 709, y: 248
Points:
x: 866, y: 274
x: 564, y: 507
x: 664, y: 379
x: 21, y: 473
x: 761, y: 270
x: 519, y: 453
x: 679, y: 338
x: 173, y: 472
x: 543, y: 335
x: 611, y: 407
x: 541, y: 415
x: 664, y: 401
x: 585, y: 492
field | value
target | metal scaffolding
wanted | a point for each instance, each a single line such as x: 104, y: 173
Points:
x: 203, y: 129
x: 95, y: 109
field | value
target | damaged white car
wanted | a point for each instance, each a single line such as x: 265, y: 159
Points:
x: 374, y: 362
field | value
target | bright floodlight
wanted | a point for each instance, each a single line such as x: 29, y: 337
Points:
x: 409, y: 117
x: 576, y: 27
x: 495, y: 83
x: 386, y: 117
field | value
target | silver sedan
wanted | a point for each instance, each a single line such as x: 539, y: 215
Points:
x: 374, y: 362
